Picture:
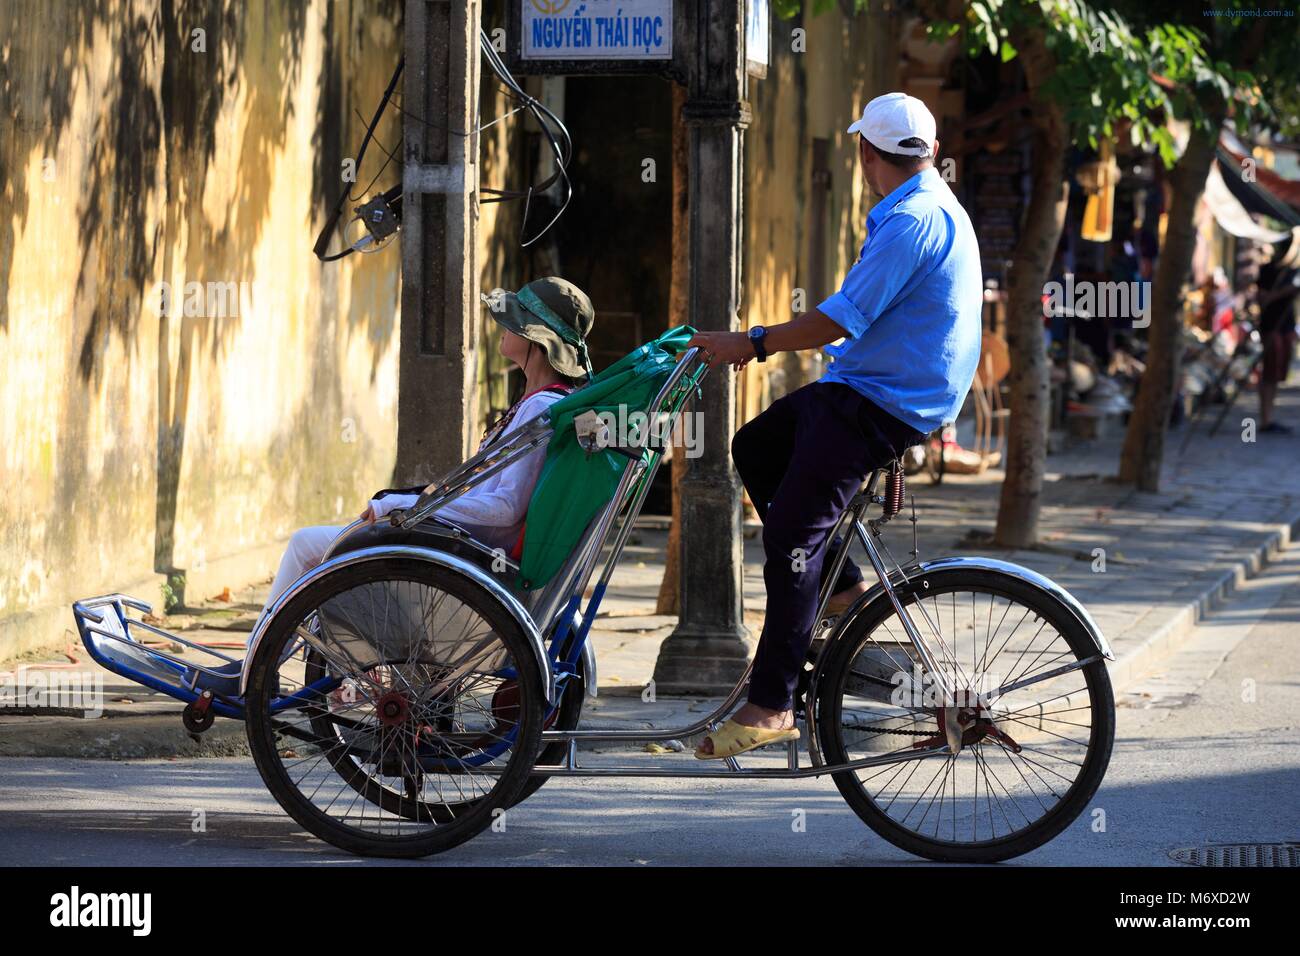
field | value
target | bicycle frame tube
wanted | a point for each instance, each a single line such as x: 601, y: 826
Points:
x: 817, y: 765
x: 853, y: 517
x: 792, y: 771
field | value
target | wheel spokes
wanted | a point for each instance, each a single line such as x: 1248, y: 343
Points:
x: 390, y: 716
x: 1024, y: 719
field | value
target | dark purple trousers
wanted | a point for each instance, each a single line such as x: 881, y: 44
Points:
x: 802, y: 460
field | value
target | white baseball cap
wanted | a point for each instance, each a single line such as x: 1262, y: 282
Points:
x: 888, y: 120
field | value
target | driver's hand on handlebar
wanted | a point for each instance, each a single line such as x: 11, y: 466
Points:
x: 723, y: 348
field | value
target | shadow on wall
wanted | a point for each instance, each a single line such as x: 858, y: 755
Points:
x: 158, y: 144
x: 194, y: 86
x: 354, y: 71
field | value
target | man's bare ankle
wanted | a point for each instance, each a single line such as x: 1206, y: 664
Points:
x: 755, y: 715
x: 858, y: 587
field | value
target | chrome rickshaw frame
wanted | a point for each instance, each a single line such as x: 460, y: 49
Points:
x: 556, y: 611
x: 550, y: 606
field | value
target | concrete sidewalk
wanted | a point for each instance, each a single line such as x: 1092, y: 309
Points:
x: 1226, y: 506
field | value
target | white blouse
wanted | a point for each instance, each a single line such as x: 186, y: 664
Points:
x: 494, y: 510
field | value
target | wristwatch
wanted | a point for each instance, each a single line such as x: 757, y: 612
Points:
x: 757, y: 336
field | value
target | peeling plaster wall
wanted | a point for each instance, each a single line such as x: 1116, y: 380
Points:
x: 134, y: 445
x: 135, y: 151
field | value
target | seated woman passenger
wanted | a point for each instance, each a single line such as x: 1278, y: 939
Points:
x: 544, y: 328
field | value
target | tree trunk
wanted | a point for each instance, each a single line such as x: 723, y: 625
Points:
x: 670, y: 597
x: 1027, y: 381
x: 1144, y: 442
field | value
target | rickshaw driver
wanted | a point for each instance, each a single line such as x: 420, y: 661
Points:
x: 909, y: 314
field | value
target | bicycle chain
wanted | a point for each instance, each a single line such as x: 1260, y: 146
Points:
x: 904, y: 733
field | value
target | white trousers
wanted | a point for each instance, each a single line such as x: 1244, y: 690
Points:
x: 306, y: 550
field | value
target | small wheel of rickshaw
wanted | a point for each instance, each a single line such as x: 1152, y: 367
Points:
x: 379, y: 736
x: 197, y: 715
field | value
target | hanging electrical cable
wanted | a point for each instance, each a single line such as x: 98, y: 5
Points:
x: 380, y: 217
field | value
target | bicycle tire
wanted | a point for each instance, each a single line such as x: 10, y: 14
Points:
x: 474, y: 816
x: 829, y: 717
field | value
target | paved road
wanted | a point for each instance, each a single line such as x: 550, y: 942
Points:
x: 1194, y: 763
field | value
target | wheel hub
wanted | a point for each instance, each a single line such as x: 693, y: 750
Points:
x: 393, y: 709
x: 961, y: 727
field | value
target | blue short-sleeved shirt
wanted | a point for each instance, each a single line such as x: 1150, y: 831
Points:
x: 910, y: 306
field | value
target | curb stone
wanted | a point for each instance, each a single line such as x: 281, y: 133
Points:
x: 162, y: 736
x: 1166, y: 640
x: 120, y: 738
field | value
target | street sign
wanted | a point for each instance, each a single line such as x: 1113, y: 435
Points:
x: 596, y: 29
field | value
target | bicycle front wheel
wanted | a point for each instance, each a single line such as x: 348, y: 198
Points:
x: 1033, y: 717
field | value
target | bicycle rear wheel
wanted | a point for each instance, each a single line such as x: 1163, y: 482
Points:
x: 565, y: 716
x: 1036, y: 719
x: 374, y: 713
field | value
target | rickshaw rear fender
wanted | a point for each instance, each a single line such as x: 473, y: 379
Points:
x: 913, y: 572
x: 875, y: 601
x: 439, y: 558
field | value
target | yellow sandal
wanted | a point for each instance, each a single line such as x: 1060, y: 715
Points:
x: 732, y: 738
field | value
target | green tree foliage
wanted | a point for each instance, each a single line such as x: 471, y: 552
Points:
x: 1104, y: 67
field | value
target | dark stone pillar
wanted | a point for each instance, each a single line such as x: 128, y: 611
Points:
x: 707, y: 652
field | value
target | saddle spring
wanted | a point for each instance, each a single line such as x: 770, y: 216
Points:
x: 895, y: 490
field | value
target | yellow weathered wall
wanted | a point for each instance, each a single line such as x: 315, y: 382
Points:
x: 134, y: 444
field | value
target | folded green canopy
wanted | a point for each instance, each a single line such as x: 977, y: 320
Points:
x: 574, y: 484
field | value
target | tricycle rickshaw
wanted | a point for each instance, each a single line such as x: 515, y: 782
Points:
x: 417, y: 683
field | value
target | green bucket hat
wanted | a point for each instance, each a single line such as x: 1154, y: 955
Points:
x: 555, y: 314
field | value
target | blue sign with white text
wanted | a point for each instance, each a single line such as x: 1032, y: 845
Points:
x: 597, y: 29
